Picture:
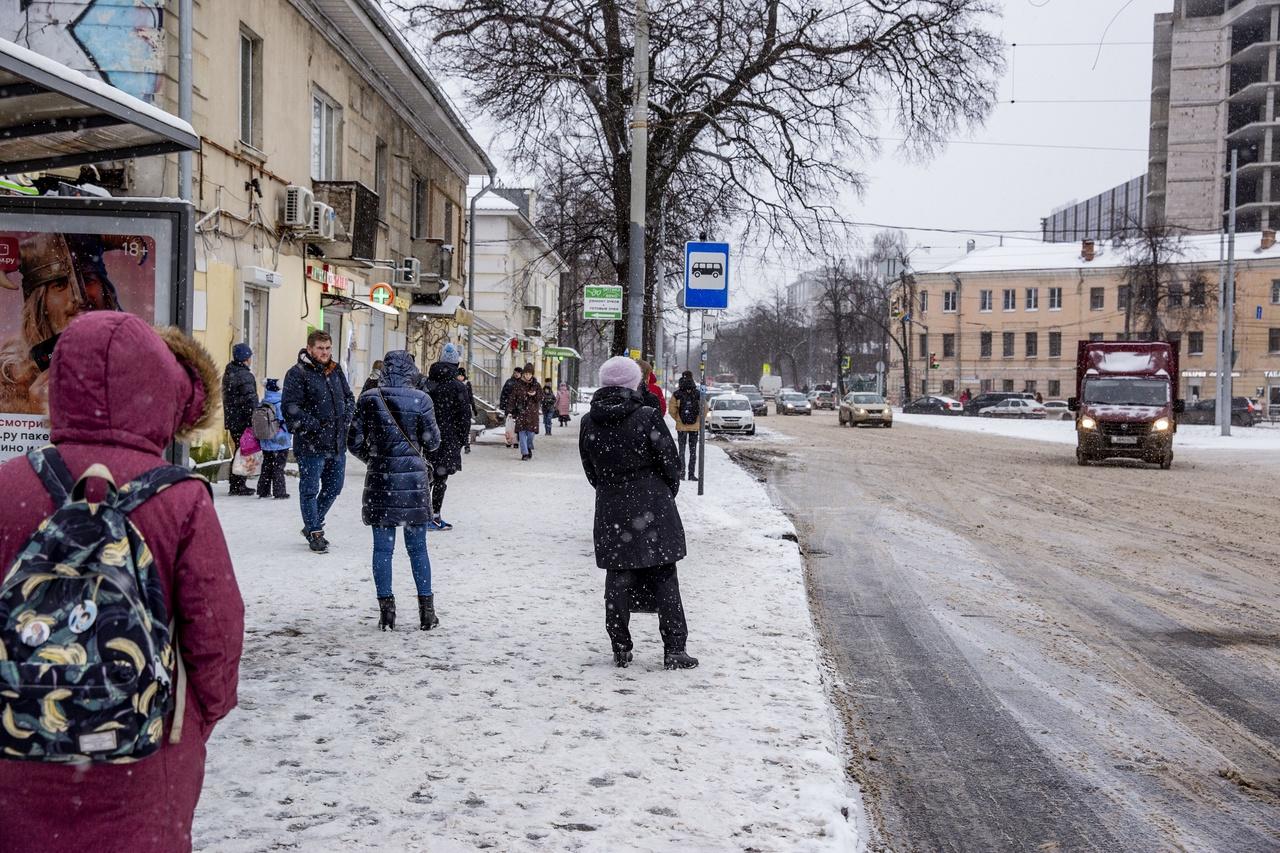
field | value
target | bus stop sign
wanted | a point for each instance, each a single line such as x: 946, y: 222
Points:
x: 706, y: 276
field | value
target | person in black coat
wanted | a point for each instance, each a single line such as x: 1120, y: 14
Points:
x: 632, y: 463
x: 471, y: 406
x: 393, y: 432
x: 504, y: 400
x: 239, y: 399
x: 318, y: 406
x: 453, y: 415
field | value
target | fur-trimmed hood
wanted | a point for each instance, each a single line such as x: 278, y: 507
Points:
x: 116, y: 380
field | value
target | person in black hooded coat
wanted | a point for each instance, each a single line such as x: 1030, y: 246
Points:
x: 453, y: 415
x: 393, y: 431
x: 239, y: 399
x: 632, y: 463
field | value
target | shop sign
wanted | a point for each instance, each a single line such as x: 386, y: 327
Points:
x: 382, y: 294
x: 331, y: 281
x: 403, y: 303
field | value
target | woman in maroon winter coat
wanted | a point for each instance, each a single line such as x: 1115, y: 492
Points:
x: 118, y: 393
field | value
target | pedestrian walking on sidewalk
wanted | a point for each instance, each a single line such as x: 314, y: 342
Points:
x: 633, y: 465
x: 318, y: 407
x: 374, y: 374
x: 525, y: 404
x: 239, y: 399
x: 393, y: 433
x: 686, y: 411
x: 275, y: 450
x: 650, y: 393
x: 471, y: 407
x: 548, y: 406
x: 118, y: 393
x: 452, y: 406
x: 564, y: 403
x: 504, y: 403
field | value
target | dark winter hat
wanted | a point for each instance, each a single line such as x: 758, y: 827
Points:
x: 528, y: 367
x: 241, y: 352
x: 272, y: 385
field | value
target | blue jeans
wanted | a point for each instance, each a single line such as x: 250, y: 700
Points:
x: 320, y: 481
x: 546, y: 421
x: 526, y: 442
x: 415, y: 542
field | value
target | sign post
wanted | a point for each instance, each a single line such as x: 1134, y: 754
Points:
x: 602, y: 302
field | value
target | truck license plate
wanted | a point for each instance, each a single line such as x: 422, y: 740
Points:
x: 1124, y: 439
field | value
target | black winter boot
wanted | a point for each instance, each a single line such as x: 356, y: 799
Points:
x: 678, y: 660
x: 427, y: 612
x: 387, y: 613
x: 621, y: 659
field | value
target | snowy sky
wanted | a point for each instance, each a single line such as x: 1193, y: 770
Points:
x: 999, y: 178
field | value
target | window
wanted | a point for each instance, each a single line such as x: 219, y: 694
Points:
x: 985, y: 339
x: 1033, y: 344
x: 1008, y: 345
x: 924, y: 302
x: 1195, y: 343
x: 948, y: 386
x: 1273, y: 340
x: 1006, y: 385
x: 950, y: 301
x: 1010, y: 300
x: 1275, y: 292
x: 984, y: 299
x: 987, y: 385
x: 1175, y: 294
x: 250, y: 89
x: 1055, y: 387
x: 1174, y: 338
x: 380, y: 176
x: 1122, y: 299
x: 419, y: 219
x: 1029, y: 386
x: 1055, y: 299
x: 1055, y: 345
x: 924, y: 346
x: 1095, y: 336
x: 1033, y: 299
x: 948, y: 346
x: 326, y: 148
x: 1097, y: 298
x: 1122, y: 336
x: 1197, y: 294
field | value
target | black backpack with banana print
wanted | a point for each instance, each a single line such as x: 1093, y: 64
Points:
x: 88, y: 666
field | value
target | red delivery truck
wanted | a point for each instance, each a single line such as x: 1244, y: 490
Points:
x: 1126, y: 402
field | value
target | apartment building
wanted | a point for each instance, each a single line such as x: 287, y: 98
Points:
x: 1110, y: 215
x: 1008, y: 318
x: 1213, y: 90
x: 330, y: 163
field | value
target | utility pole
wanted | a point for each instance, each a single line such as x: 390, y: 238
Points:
x: 639, y: 181
x: 660, y: 283
x: 1226, y: 311
x: 185, y: 83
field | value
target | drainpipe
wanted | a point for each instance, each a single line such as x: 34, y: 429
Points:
x: 471, y: 276
x: 184, y: 92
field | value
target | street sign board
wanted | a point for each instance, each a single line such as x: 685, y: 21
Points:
x: 879, y: 367
x: 1258, y: 315
x: 706, y: 276
x: 602, y: 302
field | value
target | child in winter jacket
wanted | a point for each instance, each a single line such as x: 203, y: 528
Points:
x: 275, y: 451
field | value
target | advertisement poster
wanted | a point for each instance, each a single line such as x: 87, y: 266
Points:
x: 54, y: 267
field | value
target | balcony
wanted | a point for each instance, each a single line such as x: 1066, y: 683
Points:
x: 1254, y: 93
x: 437, y: 263
x: 1253, y: 133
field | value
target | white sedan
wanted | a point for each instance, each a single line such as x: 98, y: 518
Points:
x: 1014, y: 408
x: 731, y: 413
x: 1056, y: 410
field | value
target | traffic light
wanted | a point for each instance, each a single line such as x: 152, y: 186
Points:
x: 933, y: 361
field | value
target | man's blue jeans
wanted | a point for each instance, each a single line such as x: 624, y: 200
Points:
x: 415, y: 542
x: 320, y: 480
x: 526, y: 442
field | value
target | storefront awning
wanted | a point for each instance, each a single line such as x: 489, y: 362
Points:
x: 342, y: 304
x: 52, y: 116
x: 447, y: 308
x: 561, y: 352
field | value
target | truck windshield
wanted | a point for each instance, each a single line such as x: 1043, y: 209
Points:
x: 1127, y: 392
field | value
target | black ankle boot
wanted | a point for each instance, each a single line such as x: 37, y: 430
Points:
x: 621, y: 659
x: 427, y: 612
x: 678, y: 660
x: 387, y: 613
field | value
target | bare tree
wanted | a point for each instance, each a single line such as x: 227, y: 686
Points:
x: 1162, y: 288
x: 767, y: 102
x: 837, y: 292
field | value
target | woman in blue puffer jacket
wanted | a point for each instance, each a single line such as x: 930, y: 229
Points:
x: 393, y: 431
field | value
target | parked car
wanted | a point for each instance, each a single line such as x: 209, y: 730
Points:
x: 822, y: 400
x: 934, y: 406
x: 731, y: 413
x: 793, y: 403
x: 1056, y: 410
x: 990, y: 398
x: 859, y: 408
x: 1015, y: 407
x: 759, y: 406
x: 1244, y: 412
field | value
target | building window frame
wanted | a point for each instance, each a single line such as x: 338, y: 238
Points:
x: 1032, y: 344
x: 984, y: 344
x: 1197, y: 297
x: 985, y: 301
x: 1055, y: 345
x: 1010, y: 299
x: 250, y: 94
x: 1097, y: 299
x: 381, y: 156
x: 1275, y: 291
x: 419, y: 207
x: 1195, y: 343
x: 1033, y: 299
x: 1055, y: 388
x: 948, y: 345
x: 950, y: 301
x: 924, y: 302
x: 1055, y: 299
x: 1007, y: 343
x: 326, y: 137
x: 1273, y: 341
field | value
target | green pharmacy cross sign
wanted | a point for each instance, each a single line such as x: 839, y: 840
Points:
x: 602, y: 302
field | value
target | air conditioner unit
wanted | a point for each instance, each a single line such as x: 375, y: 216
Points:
x: 356, y: 209
x: 323, y: 222
x: 297, y: 207
x: 409, y: 273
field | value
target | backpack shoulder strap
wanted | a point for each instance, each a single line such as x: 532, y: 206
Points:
x: 53, y: 473
x: 137, y: 492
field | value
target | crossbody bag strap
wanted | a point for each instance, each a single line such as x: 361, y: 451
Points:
x: 391, y: 414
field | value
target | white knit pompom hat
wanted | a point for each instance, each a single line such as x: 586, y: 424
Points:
x: 620, y: 371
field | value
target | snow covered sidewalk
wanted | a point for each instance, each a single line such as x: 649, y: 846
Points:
x: 509, y: 728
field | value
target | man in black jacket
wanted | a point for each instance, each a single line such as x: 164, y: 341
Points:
x: 239, y: 399
x: 318, y: 407
x: 504, y: 399
x: 453, y: 416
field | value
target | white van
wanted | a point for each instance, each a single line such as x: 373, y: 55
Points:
x: 770, y: 385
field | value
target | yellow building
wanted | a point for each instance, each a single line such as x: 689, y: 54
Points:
x: 1008, y: 318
